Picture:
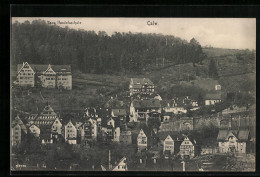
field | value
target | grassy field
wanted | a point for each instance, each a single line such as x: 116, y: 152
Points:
x: 204, y: 83
x: 215, y: 52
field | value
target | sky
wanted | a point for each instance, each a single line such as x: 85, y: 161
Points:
x: 233, y: 33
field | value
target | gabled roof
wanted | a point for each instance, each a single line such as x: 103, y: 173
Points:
x: 105, y: 166
x: 70, y: 122
x: 149, y: 132
x: 124, y: 158
x: 142, y: 131
x: 150, y: 103
x: 105, y: 120
x: 190, y: 138
x: 42, y: 68
x: 173, y: 134
x: 17, y: 120
x: 46, y: 111
x: 241, y: 135
x: 119, y: 112
x: 20, y: 66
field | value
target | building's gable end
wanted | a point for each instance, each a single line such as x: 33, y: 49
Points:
x: 49, y: 70
x: 230, y: 133
x: 168, y: 138
x: 24, y: 66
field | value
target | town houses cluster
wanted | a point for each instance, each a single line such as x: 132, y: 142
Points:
x: 101, y: 124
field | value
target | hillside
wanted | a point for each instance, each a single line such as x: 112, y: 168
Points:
x: 90, y: 52
x: 102, y: 65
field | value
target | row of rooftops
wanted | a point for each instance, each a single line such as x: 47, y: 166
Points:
x: 48, y: 115
x: 42, y: 68
x: 241, y: 135
x: 174, y: 135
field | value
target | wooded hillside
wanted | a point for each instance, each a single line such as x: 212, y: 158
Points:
x: 90, y: 52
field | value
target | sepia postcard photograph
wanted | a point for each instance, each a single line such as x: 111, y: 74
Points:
x: 133, y: 94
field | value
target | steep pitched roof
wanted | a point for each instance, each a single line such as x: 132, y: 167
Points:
x: 191, y: 138
x: 222, y: 134
x: 150, y: 103
x: 241, y: 135
x: 174, y: 135
x: 120, y: 161
x: 17, y: 120
x: 104, y: 121
x: 42, y: 68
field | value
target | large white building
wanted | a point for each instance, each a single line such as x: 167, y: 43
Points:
x: 141, y: 141
x: 48, y: 76
x: 141, y: 85
x: 234, y: 141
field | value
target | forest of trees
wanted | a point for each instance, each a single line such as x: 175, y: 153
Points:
x: 90, y: 52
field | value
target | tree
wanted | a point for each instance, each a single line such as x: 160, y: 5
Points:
x: 92, y: 52
x: 213, y: 71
